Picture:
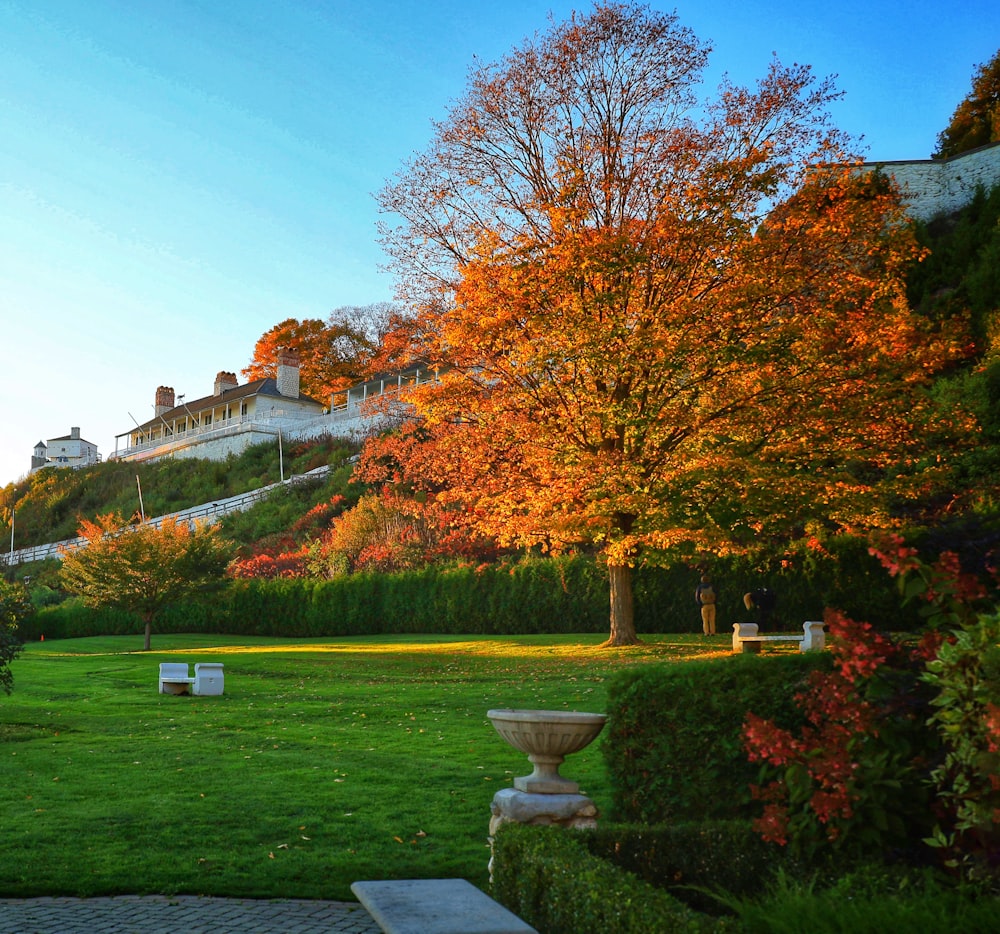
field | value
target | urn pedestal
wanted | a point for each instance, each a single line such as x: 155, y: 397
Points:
x: 547, y: 737
x: 544, y: 796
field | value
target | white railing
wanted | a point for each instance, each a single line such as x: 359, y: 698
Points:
x: 201, y: 513
x: 349, y: 406
x: 180, y: 439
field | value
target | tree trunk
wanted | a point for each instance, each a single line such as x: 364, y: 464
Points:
x: 622, y: 606
x: 149, y: 630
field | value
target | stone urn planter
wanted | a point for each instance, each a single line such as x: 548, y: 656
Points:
x: 547, y: 736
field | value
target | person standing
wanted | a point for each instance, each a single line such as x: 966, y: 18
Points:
x: 705, y: 597
x: 761, y: 601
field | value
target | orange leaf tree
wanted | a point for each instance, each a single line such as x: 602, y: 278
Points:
x: 654, y: 324
x: 332, y: 355
x: 976, y: 120
x: 143, y: 568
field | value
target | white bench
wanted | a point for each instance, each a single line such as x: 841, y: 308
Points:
x: 174, y: 678
x: 436, y: 906
x: 208, y: 678
x: 746, y: 639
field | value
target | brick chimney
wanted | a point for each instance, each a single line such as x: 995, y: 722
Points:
x: 164, y: 399
x: 224, y: 381
x: 74, y: 434
x: 288, y: 372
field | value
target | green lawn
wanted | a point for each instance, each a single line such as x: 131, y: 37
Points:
x: 323, y: 762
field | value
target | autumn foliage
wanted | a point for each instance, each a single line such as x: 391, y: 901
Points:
x: 976, y: 121
x: 383, y: 531
x: 143, y: 568
x: 652, y: 328
x: 901, y: 746
x: 332, y: 356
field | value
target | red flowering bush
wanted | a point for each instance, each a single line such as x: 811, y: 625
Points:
x: 850, y: 778
x: 901, y: 749
x: 285, y: 564
x: 319, y: 517
x: 388, y: 532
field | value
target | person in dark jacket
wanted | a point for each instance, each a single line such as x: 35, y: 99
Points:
x: 761, y: 602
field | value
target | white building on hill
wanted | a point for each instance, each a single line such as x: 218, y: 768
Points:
x: 227, y: 422
x: 68, y: 451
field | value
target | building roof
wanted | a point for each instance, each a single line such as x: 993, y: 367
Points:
x: 268, y: 386
x: 69, y: 438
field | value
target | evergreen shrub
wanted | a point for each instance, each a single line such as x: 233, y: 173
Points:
x: 547, y: 877
x: 841, y: 575
x: 692, y: 860
x: 534, y: 595
x: 72, y: 619
x: 673, y: 745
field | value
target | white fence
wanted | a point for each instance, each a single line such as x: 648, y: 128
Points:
x: 203, y: 513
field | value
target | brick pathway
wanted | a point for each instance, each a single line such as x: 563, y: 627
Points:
x: 160, y: 914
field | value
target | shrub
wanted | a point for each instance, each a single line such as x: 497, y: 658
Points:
x: 966, y: 678
x: 692, y: 860
x: 74, y: 619
x: 546, y: 876
x: 15, y: 610
x: 853, y: 776
x: 673, y: 744
x: 890, y: 724
x: 552, y: 594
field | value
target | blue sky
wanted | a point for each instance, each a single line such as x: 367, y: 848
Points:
x: 176, y: 176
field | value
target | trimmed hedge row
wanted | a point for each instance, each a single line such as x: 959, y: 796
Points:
x: 547, y: 877
x: 692, y: 860
x: 558, y: 595
x: 673, y: 744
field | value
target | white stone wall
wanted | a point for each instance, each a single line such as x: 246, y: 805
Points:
x: 941, y: 186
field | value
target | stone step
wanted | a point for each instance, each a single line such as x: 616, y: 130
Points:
x: 436, y: 906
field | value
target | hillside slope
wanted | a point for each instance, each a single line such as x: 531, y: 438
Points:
x: 48, y: 505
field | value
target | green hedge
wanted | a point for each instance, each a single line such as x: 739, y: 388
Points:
x: 547, y: 877
x: 673, y: 744
x: 692, y: 860
x: 72, y: 619
x: 557, y: 595
x: 843, y: 576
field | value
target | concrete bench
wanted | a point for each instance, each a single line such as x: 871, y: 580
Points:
x: 746, y: 639
x: 207, y: 680
x: 174, y: 678
x: 436, y: 906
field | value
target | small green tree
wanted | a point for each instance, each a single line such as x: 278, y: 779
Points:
x: 143, y: 568
x: 15, y: 608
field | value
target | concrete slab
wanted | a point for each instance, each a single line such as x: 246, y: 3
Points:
x: 436, y: 906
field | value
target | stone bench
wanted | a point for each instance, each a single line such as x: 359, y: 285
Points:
x: 174, y: 679
x: 436, y: 906
x: 746, y: 639
x: 208, y: 678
